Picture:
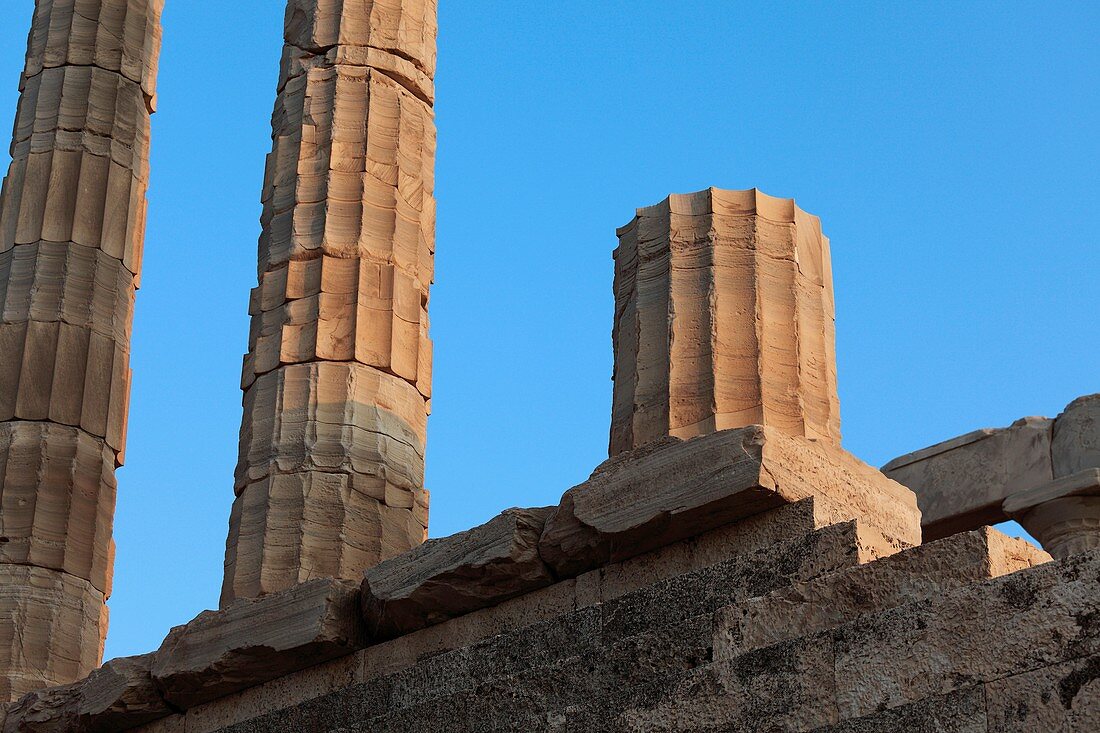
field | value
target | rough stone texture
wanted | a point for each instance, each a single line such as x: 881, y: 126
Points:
x: 52, y: 627
x: 72, y: 222
x: 1062, y: 697
x: 832, y: 600
x: 252, y: 641
x: 787, y: 687
x: 449, y: 577
x: 963, y: 711
x: 117, y: 696
x: 337, y: 378
x: 975, y: 634
x: 1076, y: 442
x: 961, y: 483
x: 670, y: 490
x: 723, y: 318
x: 923, y: 643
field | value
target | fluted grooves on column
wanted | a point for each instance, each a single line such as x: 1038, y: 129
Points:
x: 72, y: 221
x: 337, y: 378
x: 724, y: 318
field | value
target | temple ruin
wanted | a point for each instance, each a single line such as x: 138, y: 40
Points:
x: 730, y: 567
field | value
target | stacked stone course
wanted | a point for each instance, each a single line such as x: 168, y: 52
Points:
x: 337, y: 379
x: 72, y: 222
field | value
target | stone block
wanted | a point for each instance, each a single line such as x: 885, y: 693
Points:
x: 1076, y: 442
x: 67, y: 375
x: 786, y: 687
x: 1061, y: 697
x: 975, y: 634
x: 117, y: 696
x: 290, y: 528
x: 123, y: 36
x: 61, y: 195
x: 254, y: 641
x: 57, y: 500
x: 961, y: 483
x: 449, y: 577
x: 278, y: 697
x: 675, y: 489
x: 79, y: 286
x: 55, y: 630
x: 834, y: 599
x: 369, y: 192
x: 962, y: 711
x: 702, y: 592
x: 335, y: 418
x: 406, y: 27
x: 84, y: 109
x: 340, y: 309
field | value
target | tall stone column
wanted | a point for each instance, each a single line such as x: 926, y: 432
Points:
x: 337, y: 379
x: 723, y: 318
x: 72, y: 223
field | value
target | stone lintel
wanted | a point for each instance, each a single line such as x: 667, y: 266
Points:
x: 961, y: 483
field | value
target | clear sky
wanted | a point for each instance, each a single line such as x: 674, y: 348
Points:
x: 950, y: 149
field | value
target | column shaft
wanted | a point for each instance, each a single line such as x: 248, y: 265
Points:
x: 723, y: 318
x: 337, y: 379
x: 72, y: 223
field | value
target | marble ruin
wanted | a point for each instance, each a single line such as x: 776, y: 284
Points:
x: 723, y: 318
x: 72, y: 224
x: 338, y: 374
x: 730, y: 567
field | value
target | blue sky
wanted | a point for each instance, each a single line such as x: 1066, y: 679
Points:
x: 951, y: 150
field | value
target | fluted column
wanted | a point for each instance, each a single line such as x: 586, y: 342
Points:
x: 72, y: 225
x: 337, y: 380
x: 723, y: 318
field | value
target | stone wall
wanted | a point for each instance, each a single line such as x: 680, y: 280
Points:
x: 801, y: 614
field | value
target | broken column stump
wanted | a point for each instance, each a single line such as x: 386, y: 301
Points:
x: 337, y: 378
x: 723, y: 318
x: 72, y: 224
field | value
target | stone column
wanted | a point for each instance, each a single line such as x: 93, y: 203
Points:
x: 723, y: 318
x: 1064, y: 514
x: 72, y: 223
x: 337, y: 379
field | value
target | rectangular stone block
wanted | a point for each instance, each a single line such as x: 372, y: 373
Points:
x: 672, y: 490
x: 453, y: 576
x: 961, y: 483
x: 962, y: 711
x: 1061, y: 697
x: 786, y: 687
x: 84, y: 108
x: 835, y: 599
x: 254, y: 641
x: 118, y: 696
x: 829, y: 550
x: 933, y: 647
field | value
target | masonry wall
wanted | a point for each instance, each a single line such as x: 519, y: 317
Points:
x: 973, y: 633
